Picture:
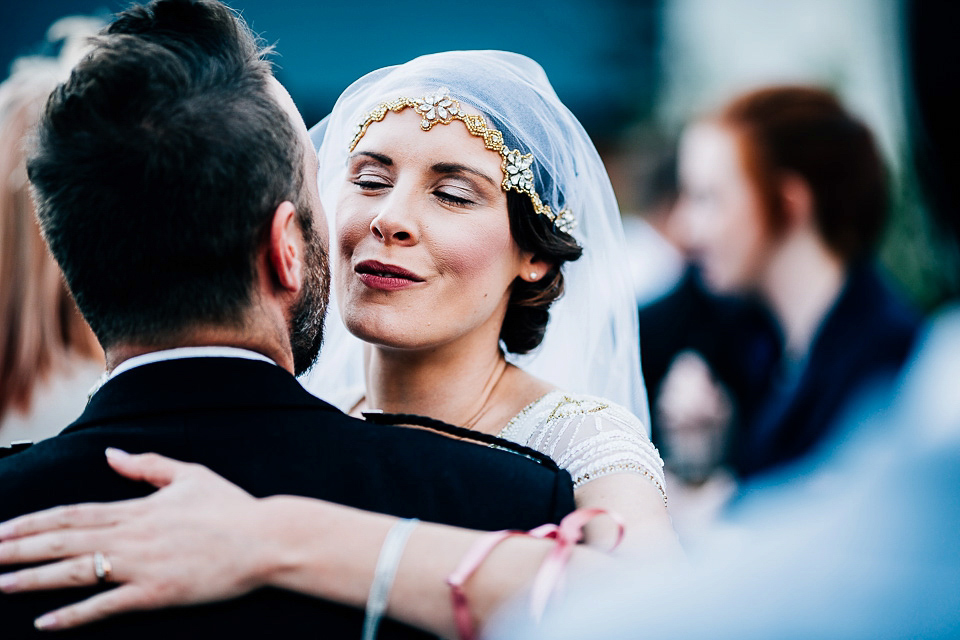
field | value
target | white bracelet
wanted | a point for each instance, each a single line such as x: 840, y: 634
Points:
x: 383, y: 575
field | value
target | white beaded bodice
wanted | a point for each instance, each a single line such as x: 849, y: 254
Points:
x: 588, y: 436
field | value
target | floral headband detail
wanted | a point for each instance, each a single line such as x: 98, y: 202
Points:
x: 441, y: 108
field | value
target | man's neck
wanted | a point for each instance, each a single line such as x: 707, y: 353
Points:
x: 275, y: 349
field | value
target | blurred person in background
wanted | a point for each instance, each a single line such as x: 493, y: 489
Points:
x: 657, y: 258
x: 717, y: 350
x: 784, y: 199
x: 49, y: 358
x: 860, y: 540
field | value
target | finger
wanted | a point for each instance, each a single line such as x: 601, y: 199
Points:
x: 74, y: 572
x: 154, y: 468
x: 69, y: 517
x: 122, y: 599
x: 51, y: 546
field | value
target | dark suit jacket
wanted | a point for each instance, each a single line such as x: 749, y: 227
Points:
x: 254, y: 424
x: 863, y: 340
x: 736, y: 336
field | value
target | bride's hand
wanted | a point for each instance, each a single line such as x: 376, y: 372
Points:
x: 191, y: 542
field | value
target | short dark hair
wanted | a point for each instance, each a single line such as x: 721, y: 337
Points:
x: 807, y: 131
x: 528, y: 309
x: 157, y: 168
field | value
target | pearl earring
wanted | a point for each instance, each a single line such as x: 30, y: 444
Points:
x: 534, y: 275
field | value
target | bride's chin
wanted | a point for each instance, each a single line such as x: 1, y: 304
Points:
x: 381, y: 332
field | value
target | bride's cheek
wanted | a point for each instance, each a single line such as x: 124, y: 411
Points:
x: 476, y: 256
x: 349, y: 234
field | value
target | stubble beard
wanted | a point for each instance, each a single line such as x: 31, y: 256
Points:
x: 306, y: 324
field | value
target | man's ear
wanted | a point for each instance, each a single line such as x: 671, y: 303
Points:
x: 797, y: 200
x: 285, y: 251
x: 532, y: 267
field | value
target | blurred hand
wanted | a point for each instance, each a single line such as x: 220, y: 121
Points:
x: 184, y: 544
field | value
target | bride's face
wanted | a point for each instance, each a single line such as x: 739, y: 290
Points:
x: 425, y: 255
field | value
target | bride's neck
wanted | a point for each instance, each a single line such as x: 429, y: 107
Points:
x: 456, y: 383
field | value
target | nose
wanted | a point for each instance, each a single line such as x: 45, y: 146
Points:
x: 394, y: 222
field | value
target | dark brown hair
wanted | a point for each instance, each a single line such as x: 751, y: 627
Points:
x: 528, y: 309
x: 159, y: 165
x: 807, y: 132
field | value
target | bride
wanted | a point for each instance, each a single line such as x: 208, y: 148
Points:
x: 468, y: 200
x: 453, y: 240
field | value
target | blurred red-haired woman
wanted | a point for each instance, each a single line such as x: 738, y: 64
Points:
x: 784, y: 199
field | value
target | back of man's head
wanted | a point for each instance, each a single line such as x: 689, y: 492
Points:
x: 157, y: 169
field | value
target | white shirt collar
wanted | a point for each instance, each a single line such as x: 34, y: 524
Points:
x: 186, y: 352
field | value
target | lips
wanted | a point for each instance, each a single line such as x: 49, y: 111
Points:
x: 385, y: 277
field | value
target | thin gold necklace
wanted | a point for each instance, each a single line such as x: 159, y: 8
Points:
x: 487, y: 395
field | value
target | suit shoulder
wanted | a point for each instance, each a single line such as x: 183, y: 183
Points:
x: 14, y: 448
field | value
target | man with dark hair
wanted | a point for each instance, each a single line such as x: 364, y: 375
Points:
x: 172, y: 152
x: 175, y: 185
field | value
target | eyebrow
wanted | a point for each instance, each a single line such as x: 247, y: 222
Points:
x: 449, y: 167
x: 379, y: 157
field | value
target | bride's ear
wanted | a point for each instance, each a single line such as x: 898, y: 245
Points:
x: 285, y: 251
x: 533, y: 268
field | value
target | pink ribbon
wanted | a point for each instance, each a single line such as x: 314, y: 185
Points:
x: 470, y: 562
x: 567, y: 535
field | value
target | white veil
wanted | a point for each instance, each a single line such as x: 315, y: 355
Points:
x: 592, y: 340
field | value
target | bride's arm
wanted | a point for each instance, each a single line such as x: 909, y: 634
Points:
x: 330, y: 551
x: 648, y: 531
x: 616, y: 468
x: 342, y: 569
x: 202, y: 539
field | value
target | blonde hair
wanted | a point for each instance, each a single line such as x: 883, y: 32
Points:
x: 41, y: 331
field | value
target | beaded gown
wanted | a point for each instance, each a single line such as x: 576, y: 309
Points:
x: 587, y: 436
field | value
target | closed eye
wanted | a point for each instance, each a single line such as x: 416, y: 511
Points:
x: 449, y: 198
x: 370, y: 185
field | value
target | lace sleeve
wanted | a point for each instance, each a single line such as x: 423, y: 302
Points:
x: 591, y: 438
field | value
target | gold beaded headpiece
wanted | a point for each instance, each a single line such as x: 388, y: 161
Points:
x: 441, y: 108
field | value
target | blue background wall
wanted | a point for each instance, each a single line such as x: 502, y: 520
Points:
x: 601, y: 56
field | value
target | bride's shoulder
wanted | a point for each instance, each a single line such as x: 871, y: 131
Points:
x: 565, y: 406
x: 570, y: 404
x: 587, y: 435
